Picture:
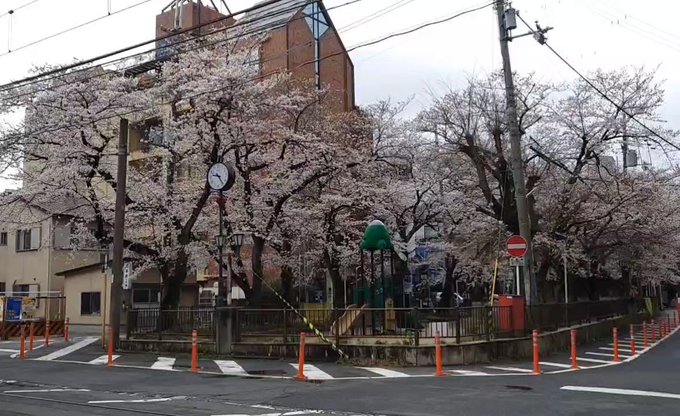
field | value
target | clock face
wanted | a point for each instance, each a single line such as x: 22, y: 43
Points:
x: 218, y: 176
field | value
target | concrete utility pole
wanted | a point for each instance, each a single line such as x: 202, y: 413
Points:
x: 530, y: 289
x: 119, y: 233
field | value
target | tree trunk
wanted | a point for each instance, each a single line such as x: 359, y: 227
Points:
x: 338, y: 286
x: 287, y: 283
x: 258, y: 272
x: 449, y: 282
x: 541, y: 277
x: 173, y: 284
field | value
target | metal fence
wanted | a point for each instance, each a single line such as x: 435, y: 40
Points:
x: 471, y: 323
x: 463, y: 324
x: 550, y: 317
x: 170, y: 322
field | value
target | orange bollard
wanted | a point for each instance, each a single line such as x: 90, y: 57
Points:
x: 47, y: 333
x: 574, y: 362
x: 644, y: 331
x: 653, y: 332
x: 301, y: 363
x: 438, y: 355
x: 31, y: 334
x: 632, y: 346
x: 194, y: 351
x: 615, y: 334
x: 22, y: 348
x: 66, y: 330
x: 110, y: 359
x: 537, y: 364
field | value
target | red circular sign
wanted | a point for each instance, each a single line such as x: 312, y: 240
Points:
x: 517, y: 246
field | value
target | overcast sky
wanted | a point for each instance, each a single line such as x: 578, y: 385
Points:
x: 591, y: 34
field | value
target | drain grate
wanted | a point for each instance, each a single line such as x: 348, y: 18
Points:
x: 268, y: 372
x: 523, y: 388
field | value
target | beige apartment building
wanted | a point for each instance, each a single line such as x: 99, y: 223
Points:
x: 35, y: 245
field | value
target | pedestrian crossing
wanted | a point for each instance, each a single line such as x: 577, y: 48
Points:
x: 86, y: 350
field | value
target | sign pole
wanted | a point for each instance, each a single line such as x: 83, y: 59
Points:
x: 517, y: 281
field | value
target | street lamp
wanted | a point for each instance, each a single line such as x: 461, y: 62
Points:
x: 220, y: 240
x: 236, y: 241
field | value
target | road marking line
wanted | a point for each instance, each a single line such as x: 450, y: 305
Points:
x: 625, y: 392
x: 104, y: 359
x: 385, y: 372
x: 293, y: 413
x: 165, y: 399
x: 230, y: 367
x: 612, y: 349
x: 68, y: 350
x: 469, y: 373
x: 6, y: 350
x: 164, y: 363
x: 262, y: 414
x: 314, y: 373
x: 593, y: 360
x: 549, y: 364
x: 605, y: 354
x: 43, y: 390
x: 514, y: 369
x: 17, y: 354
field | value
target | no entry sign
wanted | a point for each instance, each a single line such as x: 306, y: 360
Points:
x: 517, y: 246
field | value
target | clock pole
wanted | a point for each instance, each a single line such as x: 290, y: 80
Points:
x: 221, y: 178
x: 220, y: 250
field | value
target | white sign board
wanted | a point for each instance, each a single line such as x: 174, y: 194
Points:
x: 127, y: 271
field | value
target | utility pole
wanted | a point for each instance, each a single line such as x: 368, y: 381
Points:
x: 530, y: 289
x: 119, y: 233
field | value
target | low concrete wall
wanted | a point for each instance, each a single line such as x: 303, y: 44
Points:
x: 171, y: 345
x: 403, y: 355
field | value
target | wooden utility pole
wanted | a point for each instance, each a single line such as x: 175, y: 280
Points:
x: 115, y: 306
x: 530, y: 289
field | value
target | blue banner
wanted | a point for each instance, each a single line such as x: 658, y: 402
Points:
x: 13, y: 311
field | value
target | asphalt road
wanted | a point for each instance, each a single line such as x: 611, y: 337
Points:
x: 58, y: 388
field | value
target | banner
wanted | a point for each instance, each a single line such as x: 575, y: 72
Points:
x: 28, y: 307
x: 13, y: 309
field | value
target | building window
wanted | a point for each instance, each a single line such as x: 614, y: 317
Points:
x: 3, y: 238
x: 318, y: 24
x: 28, y: 239
x: 21, y: 290
x: 145, y: 297
x: 90, y: 303
x: 23, y: 240
x: 2, y: 288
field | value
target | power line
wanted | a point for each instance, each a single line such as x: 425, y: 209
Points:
x: 263, y: 76
x: 188, y: 39
x: 63, y: 71
x: 18, y: 8
x: 599, y: 91
x: 256, y: 7
x: 385, y: 10
x: 54, y: 35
